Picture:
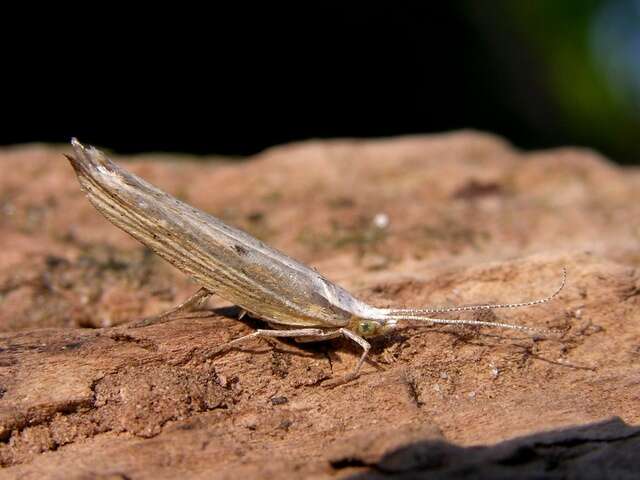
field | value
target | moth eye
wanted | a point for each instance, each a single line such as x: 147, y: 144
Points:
x: 367, y: 327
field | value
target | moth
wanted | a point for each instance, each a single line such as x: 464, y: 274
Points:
x: 292, y: 299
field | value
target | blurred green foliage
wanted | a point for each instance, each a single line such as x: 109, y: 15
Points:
x: 581, y: 56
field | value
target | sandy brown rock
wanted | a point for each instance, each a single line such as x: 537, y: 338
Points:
x: 470, y: 219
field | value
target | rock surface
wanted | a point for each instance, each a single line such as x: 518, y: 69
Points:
x: 414, y: 221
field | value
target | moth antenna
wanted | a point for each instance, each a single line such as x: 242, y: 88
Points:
x: 481, y: 323
x: 463, y: 308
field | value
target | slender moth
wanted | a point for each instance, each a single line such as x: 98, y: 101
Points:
x: 293, y: 299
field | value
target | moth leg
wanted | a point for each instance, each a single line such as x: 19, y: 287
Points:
x: 194, y: 303
x: 318, y: 338
x: 356, y: 371
x: 299, y: 333
x: 302, y: 332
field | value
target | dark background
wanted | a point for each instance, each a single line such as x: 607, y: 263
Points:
x: 235, y: 81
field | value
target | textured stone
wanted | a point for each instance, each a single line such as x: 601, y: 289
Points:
x: 467, y: 219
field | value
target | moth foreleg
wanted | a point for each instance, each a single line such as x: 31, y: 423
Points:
x: 366, y: 346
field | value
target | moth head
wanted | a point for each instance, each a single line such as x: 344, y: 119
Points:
x: 368, y: 327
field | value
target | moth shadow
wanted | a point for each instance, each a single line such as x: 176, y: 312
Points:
x: 523, y: 343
